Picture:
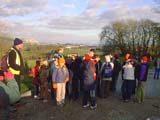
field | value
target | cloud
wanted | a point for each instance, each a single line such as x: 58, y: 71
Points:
x: 23, y: 30
x: 137, y: 13
x: 76, y: 26
x: 21, y: 7
x: 68, y: 6
x: 94, y: 6
x: 96, y: 3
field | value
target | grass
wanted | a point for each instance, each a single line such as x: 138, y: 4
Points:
x: 26, y: 83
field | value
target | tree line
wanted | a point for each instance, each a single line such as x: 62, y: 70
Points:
x: 137, y: 37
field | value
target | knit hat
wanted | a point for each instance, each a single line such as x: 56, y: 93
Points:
x: 127, y: 56
x: 145, y: 58
x: 61, y: 60
x: 17, y: 41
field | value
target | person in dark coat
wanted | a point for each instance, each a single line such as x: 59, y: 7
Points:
x: 116, y: 69
x: 89, y: 79
x: 43, y: 75
x: 98, y: 80
x: 15, y: 61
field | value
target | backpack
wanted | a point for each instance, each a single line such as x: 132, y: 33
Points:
x: 4, y: 62
x: 107, y: 70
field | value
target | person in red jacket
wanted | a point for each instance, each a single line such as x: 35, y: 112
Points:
x: 35, y: 76
x: 89, y: 81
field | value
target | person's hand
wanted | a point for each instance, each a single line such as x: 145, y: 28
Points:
x: 66, y: 79
x: 54, y: 85
x: 21, y: 77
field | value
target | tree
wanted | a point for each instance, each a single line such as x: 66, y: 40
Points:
x: 132, y: 36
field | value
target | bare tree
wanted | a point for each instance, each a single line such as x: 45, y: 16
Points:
x: 132, y: 36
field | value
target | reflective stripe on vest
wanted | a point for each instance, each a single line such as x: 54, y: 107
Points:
x: 15, y: 72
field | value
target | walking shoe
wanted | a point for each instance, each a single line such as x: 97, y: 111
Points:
x: 35, y: 96
x: 93, y: 107
x: 45, y: 100
x: 85, y: 106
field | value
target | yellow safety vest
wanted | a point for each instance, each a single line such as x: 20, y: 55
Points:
x: 15, y: 72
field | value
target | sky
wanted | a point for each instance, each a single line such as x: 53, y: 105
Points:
x: 70, y: 21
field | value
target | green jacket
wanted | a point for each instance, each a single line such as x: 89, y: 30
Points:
x: 12, y: 89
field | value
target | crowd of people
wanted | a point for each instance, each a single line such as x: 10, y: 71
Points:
x: 73, y: 76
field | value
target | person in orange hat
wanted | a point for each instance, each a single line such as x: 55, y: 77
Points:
x: 142, y: 77
x: 60, y: 76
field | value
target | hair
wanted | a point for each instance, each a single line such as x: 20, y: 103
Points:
x: 38, y: 62
x: 92, y: 50
x: 60, y: 48
x: 45, y: 63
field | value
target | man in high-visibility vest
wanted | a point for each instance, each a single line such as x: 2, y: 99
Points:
x: 15, y: 61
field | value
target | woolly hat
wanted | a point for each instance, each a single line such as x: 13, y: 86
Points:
x: 61, y: 60
x: 127, y: 56
x: 17, y: 41
x: 145, y: 58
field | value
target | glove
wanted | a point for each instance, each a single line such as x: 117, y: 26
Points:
x: 8, y: 75
x: 54, y: 85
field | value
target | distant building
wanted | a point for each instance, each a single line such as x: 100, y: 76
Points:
x: 31, y: 41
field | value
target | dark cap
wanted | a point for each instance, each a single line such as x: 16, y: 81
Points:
x: 17, y: 41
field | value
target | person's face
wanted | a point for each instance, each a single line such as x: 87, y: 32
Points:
x: 20, y: 46
x: 97, y: 59
x: 61, y: 64
x: 61, y: 51
x: 91, y: 53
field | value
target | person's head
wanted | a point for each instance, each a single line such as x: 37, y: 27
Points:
x: 18, y: 43
x: 38, y: 62
x: 127, y: 56
x: 91, y: 52
x: 61, y: 61
x: 97, y: 58
x: 60, y: 50
x: 45, y: 63
x: 107, y: 57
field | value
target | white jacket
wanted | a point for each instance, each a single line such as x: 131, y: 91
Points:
x: 128, y: 72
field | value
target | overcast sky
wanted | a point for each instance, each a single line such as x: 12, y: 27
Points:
x: 70, y: 21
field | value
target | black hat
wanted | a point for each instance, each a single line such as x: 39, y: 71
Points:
x: 17, y: 41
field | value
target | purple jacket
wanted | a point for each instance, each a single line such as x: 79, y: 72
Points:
x: 143, y: 72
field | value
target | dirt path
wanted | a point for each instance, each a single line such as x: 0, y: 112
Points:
x: 111, y: 108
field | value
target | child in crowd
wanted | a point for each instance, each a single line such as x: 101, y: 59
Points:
x: 43, y: 75
x: 106, y: 76
x: 35, y: 76
x: 60, y: 76
x: 142, y: 77
x: 128, y: 80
